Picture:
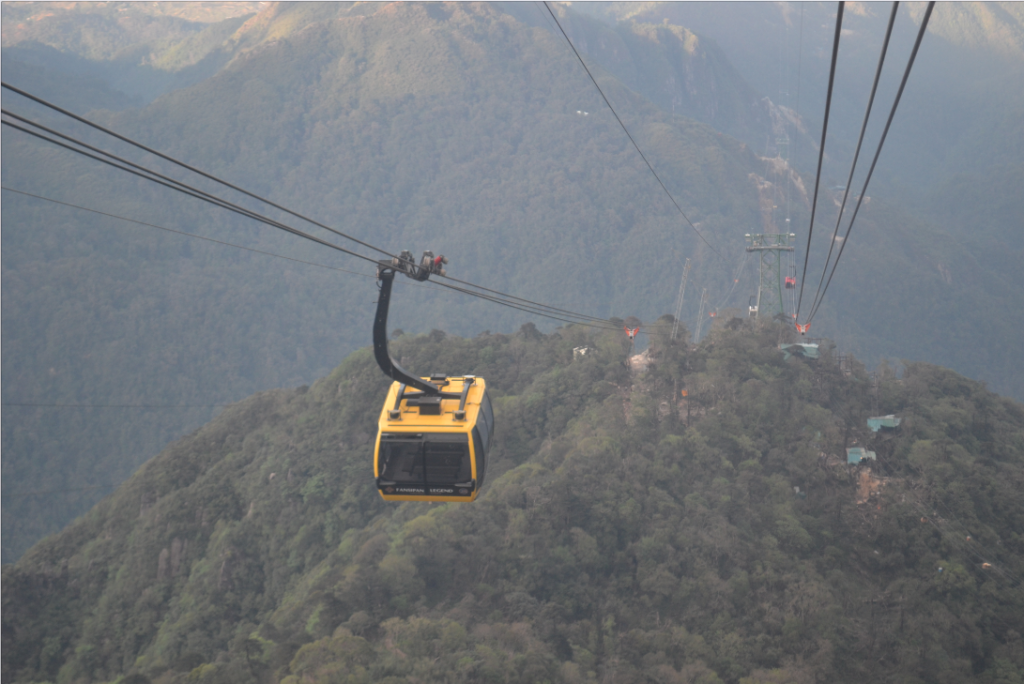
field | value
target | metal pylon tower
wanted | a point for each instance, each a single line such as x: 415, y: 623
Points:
x: 679, y: 299
x: 769, y: 289
x: 700, y: 315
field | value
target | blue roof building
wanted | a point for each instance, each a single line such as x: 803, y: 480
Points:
x: 809, y: 351
x: 855, y: 455
x: 889, y: 422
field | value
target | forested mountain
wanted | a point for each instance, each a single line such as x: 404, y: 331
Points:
x: 466, y: 129
x: 623, y: 535
x: 139, y: 49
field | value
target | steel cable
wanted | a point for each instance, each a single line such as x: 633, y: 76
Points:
x: 220, y: 203
x: 199, y: 194
x: 181, y: 232
x: 184, y: 188
x: 193, y: 169
x: 856, y: 154
x: 232, y: 186
x: 628, y: 135
x: 874, y: 161
x: 821, y: 151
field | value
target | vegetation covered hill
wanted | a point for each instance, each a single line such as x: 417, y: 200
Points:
x: 623, y: 536
x: 444, y: 127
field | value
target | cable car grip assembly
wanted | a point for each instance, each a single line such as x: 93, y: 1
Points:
x: 430, y: 394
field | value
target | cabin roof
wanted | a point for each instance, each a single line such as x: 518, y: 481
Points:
x: 412, y: 418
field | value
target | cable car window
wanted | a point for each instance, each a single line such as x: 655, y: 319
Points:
x: 401, y: 459
x: 447, y: 459
x: 481, y: 461
x: 488, y: 417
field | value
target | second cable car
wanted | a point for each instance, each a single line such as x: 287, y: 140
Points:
x: 791, y: 278
x: 433, y: 433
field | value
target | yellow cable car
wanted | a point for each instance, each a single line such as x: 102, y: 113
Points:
x: 433, y: 433
x: 434, y: 447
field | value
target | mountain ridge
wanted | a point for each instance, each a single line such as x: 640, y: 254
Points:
x: 613, y: 538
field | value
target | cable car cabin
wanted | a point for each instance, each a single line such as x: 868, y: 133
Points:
x: 790, y: 283
x: 434, y: 447
x: 433, y: 432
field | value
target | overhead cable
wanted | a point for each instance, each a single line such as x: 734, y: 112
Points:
x: 821, y: 151
x: 496, y: 300
x: 179, y: 186
x: 799, y: 58
x: 628, y: 135
x: 856, y: 154
x: 187, y: 189
x: 193, y: 169
x: 602, y: 323
x: 272, y: 254
x: 885, y: 132
x: 124, y: 161
x: 197, y: 194
x: 735, y: 281
x: 181, y: 232
x: 220, y: 201
x: 527, y: 301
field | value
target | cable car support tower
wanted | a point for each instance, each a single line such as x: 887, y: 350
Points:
x: 770, y: 246
x: 679, y: 299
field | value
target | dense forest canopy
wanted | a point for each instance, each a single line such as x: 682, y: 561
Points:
x: 455, y: 128
x: 626, y: 534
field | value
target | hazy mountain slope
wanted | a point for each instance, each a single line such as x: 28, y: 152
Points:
x: 996, y: 26
x: 53, y: 83
x: 954, y: 151
x: 142, y: 49
x: 978, y: 201
x: 453, y: 128
x: 457, y: 134
x: 612, y: 543
x: 106, y: 31
x: 946, y: 175
x: 968, y: 63
x: 946, y: 288
x: 676, y: 69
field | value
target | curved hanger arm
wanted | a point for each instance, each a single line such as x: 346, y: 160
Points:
x: 386, y: 275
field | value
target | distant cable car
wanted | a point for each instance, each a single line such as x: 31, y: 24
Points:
x: 433, y: 433
x: 753, y: 307
x: 790, y: 283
